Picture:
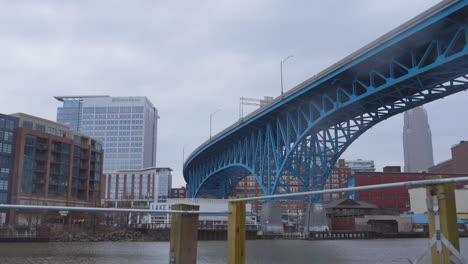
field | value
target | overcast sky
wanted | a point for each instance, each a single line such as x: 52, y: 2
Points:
x: 191, y: 58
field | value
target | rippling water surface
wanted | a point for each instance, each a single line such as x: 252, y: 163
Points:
x: 260, y: 251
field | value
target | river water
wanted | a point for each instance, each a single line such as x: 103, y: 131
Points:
x: 260, y: 251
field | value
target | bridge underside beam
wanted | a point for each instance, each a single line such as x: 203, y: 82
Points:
x: 295, y: 147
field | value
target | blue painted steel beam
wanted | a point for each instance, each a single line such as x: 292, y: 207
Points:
x: 293, y: 145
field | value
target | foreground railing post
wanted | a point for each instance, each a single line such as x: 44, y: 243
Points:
x: 184, y: 235
x: 443, y: 227
x: 236, y: 233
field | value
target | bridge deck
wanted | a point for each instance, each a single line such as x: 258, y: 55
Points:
x: 359, y: 55
x: 418, y: 62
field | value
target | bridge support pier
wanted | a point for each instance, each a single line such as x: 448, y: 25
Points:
x: 184, y: 235
x: 315, y: 218
x: 270, y: 218
x: 236, y: 233
x: 443, y: 227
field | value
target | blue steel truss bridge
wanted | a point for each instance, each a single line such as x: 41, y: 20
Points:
x: 293, y: 143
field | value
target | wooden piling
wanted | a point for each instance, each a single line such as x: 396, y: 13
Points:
x: 184, y: 232
x: 236, y: 233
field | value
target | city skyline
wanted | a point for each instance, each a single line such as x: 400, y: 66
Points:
x: 189, y: 70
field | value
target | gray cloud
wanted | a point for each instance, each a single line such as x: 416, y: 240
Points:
x: 193, y: 57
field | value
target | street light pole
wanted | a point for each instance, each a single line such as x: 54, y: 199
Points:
x: 211, y: 120
x: 281, y: 70
x: 183, y: 156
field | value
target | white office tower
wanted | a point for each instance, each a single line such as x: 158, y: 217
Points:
x: 417, y: 141
x: 126, y: 125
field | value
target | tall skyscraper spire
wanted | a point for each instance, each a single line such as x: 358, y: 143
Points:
x: 417, y: 141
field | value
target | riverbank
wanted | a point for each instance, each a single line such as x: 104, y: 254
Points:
x: 115, y: 234
x: 139, y: 235
x: 112, y: 235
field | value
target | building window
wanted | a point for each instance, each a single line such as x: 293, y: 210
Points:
x: 10, y: 124
x: 27, y: 124
x: 52, y: 130
x: 3, y: 185
x: 125, y: 109
x: 61, y: 133
x: 101, y: 110
x: 88, y: 110
x: 40, y: 128
x: 6, y: 148
x: 8, y: 136
x: 3, y: 197
x: 113, y: 109
x: 4, y: 161
x: 137, y: 109
x: 4, y: 172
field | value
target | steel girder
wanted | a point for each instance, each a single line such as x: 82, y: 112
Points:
x: 298, y: 143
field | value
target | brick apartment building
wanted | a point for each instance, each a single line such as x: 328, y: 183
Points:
x: 53, y: 166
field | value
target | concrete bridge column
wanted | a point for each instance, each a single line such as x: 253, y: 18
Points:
x: 270, y: 218
x: 315, y: 218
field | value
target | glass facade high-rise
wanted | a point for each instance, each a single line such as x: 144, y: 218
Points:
x: 126, y: 125
x: 70, y: 114
x: 417, y: 141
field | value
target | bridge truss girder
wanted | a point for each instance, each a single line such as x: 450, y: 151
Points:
x: 298, y: 145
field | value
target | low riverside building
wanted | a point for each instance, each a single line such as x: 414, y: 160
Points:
x: 351, y: 215
x: 136, y: 188
x: 54, y: 166
x: 156, y: 220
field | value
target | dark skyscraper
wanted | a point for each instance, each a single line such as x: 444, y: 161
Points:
x: 417, y: 141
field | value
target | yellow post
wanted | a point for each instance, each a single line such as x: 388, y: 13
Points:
x: 184, y: 235
x: 447, y: 213
x: 236, y: 233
